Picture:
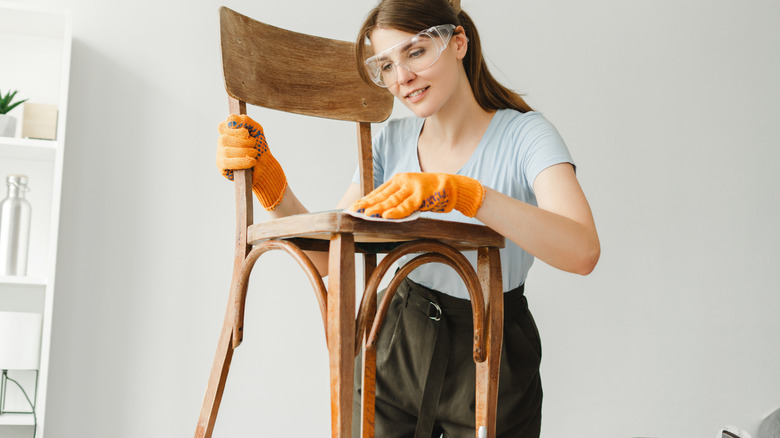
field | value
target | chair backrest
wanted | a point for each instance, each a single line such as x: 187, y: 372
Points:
x: 288, y: 71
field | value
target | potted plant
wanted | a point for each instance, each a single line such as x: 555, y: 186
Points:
x: 8, y: 123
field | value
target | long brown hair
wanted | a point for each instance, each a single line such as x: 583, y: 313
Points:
x: 412, y: 16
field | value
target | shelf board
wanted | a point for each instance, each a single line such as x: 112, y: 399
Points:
x: 16, y: 420
x: 11, y: 280
x: 27, y: 148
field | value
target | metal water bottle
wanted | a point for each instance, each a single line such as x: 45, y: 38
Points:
x: 14, y: 227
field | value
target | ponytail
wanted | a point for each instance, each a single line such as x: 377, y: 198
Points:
x: 488, y: 92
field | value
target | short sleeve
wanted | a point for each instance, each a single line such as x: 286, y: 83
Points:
x: 543, y: 147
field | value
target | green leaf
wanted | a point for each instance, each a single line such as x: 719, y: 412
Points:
x: 15, y: 105
x: 5, y: 101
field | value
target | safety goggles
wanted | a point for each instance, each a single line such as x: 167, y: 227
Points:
x: 415, y: 55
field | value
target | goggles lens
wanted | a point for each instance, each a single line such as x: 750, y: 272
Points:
x: 415, y: 55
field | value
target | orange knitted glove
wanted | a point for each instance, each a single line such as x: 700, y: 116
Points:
x: 406, y: 193
x: 242, y: 145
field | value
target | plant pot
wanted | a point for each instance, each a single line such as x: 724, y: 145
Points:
x: 7, y: 126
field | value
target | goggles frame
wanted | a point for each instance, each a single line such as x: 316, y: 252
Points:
x: 440, y: 36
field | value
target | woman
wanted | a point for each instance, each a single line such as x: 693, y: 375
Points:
x: 474, y: 151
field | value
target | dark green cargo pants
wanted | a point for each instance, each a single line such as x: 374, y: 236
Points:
x: 426, y: 371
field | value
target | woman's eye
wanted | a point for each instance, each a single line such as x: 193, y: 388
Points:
x: 386, y: 67
x: 416, y: 53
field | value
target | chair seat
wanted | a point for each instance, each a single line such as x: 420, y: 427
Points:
x: 321, y: 225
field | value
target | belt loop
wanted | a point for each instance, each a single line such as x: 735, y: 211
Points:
x: 405, y: 291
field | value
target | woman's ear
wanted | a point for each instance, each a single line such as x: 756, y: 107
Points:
x: 461, y: 42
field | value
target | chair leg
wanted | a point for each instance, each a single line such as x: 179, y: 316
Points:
x: 221, y: 365
x: 341, y: 332
x: 368, y: 402
x: 489, y: 270
x: 217, y: 379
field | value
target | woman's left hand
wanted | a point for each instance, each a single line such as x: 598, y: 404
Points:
x: 405, y: 193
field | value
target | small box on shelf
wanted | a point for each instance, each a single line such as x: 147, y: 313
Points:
x: 39, y: 121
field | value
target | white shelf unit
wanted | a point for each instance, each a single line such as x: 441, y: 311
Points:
x: 36, y: 47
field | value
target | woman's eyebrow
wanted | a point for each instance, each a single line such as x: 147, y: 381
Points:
x: 401, y: 47
x: 411, y: 42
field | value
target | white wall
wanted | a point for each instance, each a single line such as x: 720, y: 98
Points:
x: 670, y: 109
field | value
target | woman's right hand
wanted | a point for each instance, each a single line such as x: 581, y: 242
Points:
x: 242, y: 145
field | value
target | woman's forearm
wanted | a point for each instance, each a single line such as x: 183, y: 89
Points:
x: 563, y: 242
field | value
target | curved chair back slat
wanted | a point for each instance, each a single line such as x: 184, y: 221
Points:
x: 289, y: 71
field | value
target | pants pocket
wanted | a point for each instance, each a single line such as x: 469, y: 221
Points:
x: 521, y: 354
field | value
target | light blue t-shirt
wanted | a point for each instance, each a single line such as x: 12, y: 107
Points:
x: 515, y: 148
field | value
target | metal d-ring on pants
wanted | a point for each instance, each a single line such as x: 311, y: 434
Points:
x: 426, y: 373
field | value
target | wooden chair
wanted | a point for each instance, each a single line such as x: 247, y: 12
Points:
x: 272, y: 68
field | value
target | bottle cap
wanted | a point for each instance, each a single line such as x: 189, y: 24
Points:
x: 18, y: 180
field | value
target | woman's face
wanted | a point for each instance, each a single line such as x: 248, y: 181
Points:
x: 427, y: 91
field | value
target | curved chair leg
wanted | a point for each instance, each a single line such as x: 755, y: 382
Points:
x: 431, y: 251
x: 232, y: 329
x: 217, y: 379
x: 489, y: 267
x: 491, y: 286
x: 242, y: 282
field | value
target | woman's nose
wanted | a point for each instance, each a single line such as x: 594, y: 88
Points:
x: 403, y: 74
